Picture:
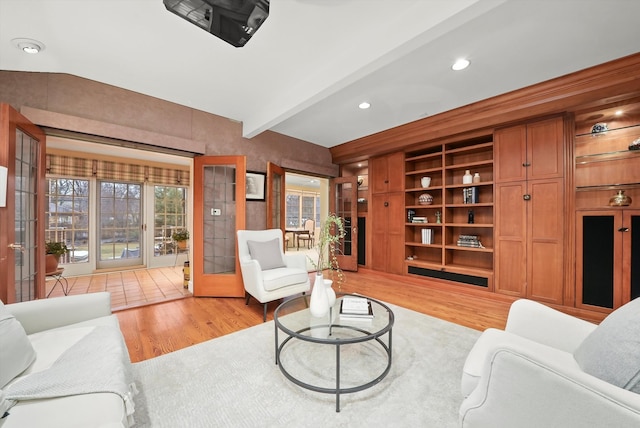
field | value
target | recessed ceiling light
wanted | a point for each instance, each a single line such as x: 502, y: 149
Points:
x: 460, y: 64
x: 619, y: 113
x: 29, y: 46
x: 364, y: 105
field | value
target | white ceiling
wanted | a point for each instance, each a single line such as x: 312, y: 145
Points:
x: 313, y: 61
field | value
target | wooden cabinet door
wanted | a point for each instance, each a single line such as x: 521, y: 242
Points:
x: 529, y: 152
x: 510, y: 239
x: 386, y: 173
x: 529, y: 247
x: 607, y: 249
x: 387, y: 243
x: 510, y: 154
x: 378, y: 174
x: 395, y: 175
x: 379, y: 218
x: 545, y: 241
x: 395, y: 233
x: 545, y: 149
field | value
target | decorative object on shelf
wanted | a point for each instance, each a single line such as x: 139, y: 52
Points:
x: 467, y: 178
x: 410, y: 214
x: 331, y: 233
x: 438, y: 217
x: 470, y: 218
x: 417, y: 219
x: 360, y: 181
x: 362, y: 200
x: 181, y: 237
x: 599, y: 127
x: 635, y: 145
x: 425, y: 199
x: 476, y: 177
x: 425, y: 182
x: 53, y: 251
x: 620, y: 200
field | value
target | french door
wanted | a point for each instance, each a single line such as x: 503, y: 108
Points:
x: 120, y: 225
x: 219, y: 211
x: 343, y: 203
x: 22, y: 151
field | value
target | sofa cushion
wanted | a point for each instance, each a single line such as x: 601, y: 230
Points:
x: 283, y: 277
x: 267, y: 253
x: 612, y: 351
x: 16, y: 352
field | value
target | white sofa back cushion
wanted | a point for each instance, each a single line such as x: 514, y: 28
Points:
x: 612, y: 351
x: 16, y: 352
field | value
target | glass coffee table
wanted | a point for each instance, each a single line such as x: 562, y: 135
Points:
x: 306, y: 358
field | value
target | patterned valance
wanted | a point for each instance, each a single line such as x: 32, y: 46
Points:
x: 69, y: 166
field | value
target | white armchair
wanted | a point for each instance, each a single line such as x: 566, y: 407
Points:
x: 549, y: 369
x: 267, y: 272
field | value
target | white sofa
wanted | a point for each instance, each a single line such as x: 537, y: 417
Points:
x: 549, y: 369
x: 78, y: 337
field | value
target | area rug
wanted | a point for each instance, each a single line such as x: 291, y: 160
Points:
x: 233, y: 381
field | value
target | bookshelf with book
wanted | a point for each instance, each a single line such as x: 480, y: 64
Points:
x: 458, y: 245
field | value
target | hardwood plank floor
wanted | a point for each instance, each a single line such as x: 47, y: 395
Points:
x: 161, y: 328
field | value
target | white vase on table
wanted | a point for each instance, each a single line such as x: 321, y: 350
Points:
x: 319, y: 302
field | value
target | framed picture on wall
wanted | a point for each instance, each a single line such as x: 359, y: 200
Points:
x: 256, y: 182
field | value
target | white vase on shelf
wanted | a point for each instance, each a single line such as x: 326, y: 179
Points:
x: 319, y: 302
x: 425, y: 182
x: 467, y: 178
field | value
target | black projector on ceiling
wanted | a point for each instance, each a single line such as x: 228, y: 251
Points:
x: 233, y: 21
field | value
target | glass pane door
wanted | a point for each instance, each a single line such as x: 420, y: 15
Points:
x: 344, y: 205
x: 26, y: 186
x: 120, y: 225
x: 219, y: 211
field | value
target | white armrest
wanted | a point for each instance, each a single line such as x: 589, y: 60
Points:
x: 252, y: 278
x: 548, y: 326
x: 45, y: 314
x: 526, y: 384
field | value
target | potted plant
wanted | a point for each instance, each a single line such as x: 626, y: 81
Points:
x: 331, y: 232
x: 181, y: 237
x: 53, y: 252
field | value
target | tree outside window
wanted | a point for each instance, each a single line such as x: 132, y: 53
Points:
x: 170, y: 214
x: 67, y: 216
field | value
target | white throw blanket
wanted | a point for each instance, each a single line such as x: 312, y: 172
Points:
x: 99, y: 362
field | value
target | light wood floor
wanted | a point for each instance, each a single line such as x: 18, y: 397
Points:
x: 158, y: 329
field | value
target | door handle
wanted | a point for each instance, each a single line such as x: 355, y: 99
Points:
x: 526, y: 197
x: 386, y: 204
x: 15, y: 246
x: 623, y: 229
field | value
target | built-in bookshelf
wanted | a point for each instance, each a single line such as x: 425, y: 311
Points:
x: 458, y: 216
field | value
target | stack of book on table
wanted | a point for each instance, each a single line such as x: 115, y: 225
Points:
x: 353, y: 307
